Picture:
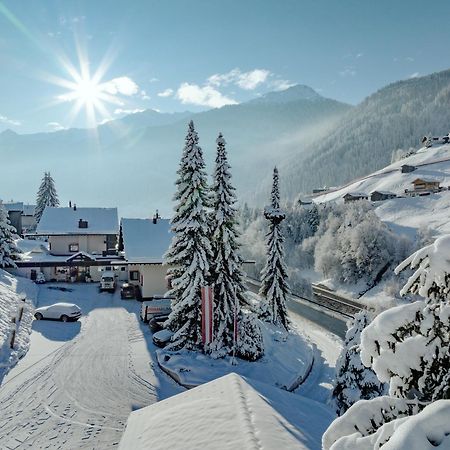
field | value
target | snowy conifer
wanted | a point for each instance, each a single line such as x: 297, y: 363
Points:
x: 8, y: 250
x: 274, y: 286
x: 226, y: 269
x: 354, y: 381
x: 46, y: 195
x: 190, y: 252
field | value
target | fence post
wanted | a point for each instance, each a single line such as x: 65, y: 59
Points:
x: 22, y: 308
x: 13, y: 334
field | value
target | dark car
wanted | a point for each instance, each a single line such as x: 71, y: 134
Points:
x: 156, y: 323
x: 127, y: 291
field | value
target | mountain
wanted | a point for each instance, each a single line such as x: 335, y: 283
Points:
x: 292, y: 94
x: 395, y: 117
x: 131, y: 162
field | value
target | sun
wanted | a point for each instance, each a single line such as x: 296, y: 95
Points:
x: 87, y: 92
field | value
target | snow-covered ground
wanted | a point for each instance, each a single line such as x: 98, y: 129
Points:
x: 79, y: 381
x: 15, y: 294
x: 407, y: 215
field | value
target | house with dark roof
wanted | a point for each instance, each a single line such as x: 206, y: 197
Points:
x: 377, y: 196
x: 353, y: 196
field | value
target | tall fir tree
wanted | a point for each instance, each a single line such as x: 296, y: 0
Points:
x: 274, y: 286
x: 190, y: 252
x: 8, y: 249
x: 46, y: 195
x: 226, y: 269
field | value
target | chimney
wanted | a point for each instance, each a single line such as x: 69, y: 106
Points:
x: 155, y: 220
x: 70, y: 203
x: 82, y: 223
x: 74, y: 207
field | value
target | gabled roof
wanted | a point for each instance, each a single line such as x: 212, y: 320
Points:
x: 226, y: 414
x: 145, y: 241
x: 355, y: 194
x: 383, y: 192
x: 425, y: 180
x: 65, y: 221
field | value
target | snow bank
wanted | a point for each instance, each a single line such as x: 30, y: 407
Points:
x: 287, y: 360
x: 12, y: 292
x: 228, y: 413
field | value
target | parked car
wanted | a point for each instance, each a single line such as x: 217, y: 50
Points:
x: 66, y: 312
x: 156, y: 322
x: 40, y: 278
x: 108, y: 281
x: 128, y: 291
x: 162, y: 337
x: 152, y: 308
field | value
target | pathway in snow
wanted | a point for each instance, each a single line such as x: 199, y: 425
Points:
x: 80, y: 389
x: 327, y: 347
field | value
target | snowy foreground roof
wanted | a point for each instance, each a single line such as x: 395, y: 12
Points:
x: 60, y: 221
x: 145, y: 241
x: 228, y: 413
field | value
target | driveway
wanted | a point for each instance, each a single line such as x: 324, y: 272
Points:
x: 79, y: 381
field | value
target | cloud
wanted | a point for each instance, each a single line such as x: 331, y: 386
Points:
x: 166, y: 93
x: 144, y: 95
x: 128, y: 111
x: 348, y: 72
x: 414, y: 75
x: 153, y: 80
x: 55, y: 126
x: 409, y: 59
x: 121, y: 85
x: 203, y: 96
x: 7, y: 121
x: 245, y: 80
x: 281, y: 85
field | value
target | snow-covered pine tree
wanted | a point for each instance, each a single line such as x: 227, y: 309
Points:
x: 46, y: 195
x: 8, y: 249
x: 226, y: 268
x: 274, y: 286
x: 190, y: 252
x: 354, y: 381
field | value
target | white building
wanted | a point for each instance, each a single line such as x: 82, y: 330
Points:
x: 73, y: 230
x: 145, y: 241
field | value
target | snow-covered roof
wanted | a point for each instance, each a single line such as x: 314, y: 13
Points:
x: 13, y: 206
x: 61, y: 221
x: 426, y: 180
x: 145, y: 241
x: 356, y: 194
x: 384, y: 192
x: 228, y: 413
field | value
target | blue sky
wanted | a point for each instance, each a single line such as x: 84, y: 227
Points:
x: 193, y: 55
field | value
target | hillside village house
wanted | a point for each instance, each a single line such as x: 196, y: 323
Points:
x: 421, y: 184
x: 377, y: 196
x: 353, y: 196
x: 81, y: 242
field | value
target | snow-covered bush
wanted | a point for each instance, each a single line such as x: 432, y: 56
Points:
x: 250, y: 345
x: 354, y: 381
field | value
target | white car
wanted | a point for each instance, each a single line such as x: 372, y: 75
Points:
x: 66, y: 312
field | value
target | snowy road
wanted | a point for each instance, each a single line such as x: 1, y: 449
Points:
x: 79, y: 381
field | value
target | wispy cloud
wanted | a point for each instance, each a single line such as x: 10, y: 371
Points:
x: 144, y: 95
x: 121, y: 85
x: 280, y: 85
x: 245, y: 80
x: 118, y: 111
x: 7, y: 121
x: 55, y: 126
x: 165, y: 93
x: 202, y: 96
x: 348, y: 71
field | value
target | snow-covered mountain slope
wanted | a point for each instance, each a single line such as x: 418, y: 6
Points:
x: 12, y: 291
x: 405, y: 215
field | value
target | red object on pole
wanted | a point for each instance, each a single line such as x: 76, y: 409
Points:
x: 207, y: 314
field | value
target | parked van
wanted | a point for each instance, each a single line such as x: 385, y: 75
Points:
x: 157, y: 307
x: 108, y: 281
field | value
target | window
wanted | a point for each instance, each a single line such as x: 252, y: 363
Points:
x: 123, y: 268
x: 134, y: 275
x: 73, y: 248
